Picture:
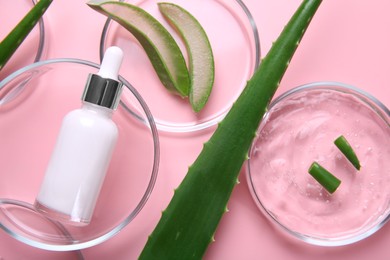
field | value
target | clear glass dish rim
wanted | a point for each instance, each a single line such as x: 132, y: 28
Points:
x: 156, y: 157
x: 30, y: 207
x: 42, y: 37
x: 375, y: 105
x: 207, y: 124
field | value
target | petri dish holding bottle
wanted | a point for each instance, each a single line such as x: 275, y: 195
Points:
x: 32, y: 49
x: 234, y: 40
x: 29, y: 128
x: 13, y: 249
x: 300, y: 128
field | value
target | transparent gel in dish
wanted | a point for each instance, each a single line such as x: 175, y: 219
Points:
x: 299, y: 128
x: 30, y: 122
x: 234, y: 39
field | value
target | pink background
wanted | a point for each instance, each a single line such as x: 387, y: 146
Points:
x: 348, y: 41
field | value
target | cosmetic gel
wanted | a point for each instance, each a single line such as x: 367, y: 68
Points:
x: 81, y: 156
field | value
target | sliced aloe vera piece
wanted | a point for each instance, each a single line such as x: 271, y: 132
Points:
x: 162, y: 50
x: 344, y: 146
x: 324, y: 177
x: 201, y: 59
x: 13, y: 40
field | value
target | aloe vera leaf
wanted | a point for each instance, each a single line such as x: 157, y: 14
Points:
x: 162, y: 50
x: 201, y: 58
x: 189, y: 222
x: 13, y: 40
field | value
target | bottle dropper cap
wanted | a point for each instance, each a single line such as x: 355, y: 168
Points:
x: 104, y: 88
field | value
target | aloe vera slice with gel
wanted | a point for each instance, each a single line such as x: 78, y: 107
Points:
x: 162, y: 50
x: 201, y: 59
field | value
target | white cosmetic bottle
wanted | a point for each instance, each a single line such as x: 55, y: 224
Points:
x: 81, y: 156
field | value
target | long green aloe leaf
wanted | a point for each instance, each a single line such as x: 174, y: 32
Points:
x: 188, y: 224
x: 13, y: 40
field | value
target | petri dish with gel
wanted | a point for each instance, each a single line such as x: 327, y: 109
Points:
x: 234, y: 39
x: 299, y: 128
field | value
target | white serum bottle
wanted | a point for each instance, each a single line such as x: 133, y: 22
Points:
x: 83, y: 150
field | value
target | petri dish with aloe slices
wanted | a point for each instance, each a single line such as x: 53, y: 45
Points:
x: 300, y: 128
x: 32, y: 48
x: 234, y: 39
x: 30, y: 121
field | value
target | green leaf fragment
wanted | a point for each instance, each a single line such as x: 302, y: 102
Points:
x: 12, y: 41
x: 198, y: 205
x: 324, y: 177
x: 344, y: 146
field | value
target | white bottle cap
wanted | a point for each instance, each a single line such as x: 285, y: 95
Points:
x: 111, y: 63
x: 103, y: 88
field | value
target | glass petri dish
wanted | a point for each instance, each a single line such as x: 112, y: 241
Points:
x: 32, y: 48
x: 299, y: 128
x: 10, y: 208
x: 234, y: 39
x: 30, y: 121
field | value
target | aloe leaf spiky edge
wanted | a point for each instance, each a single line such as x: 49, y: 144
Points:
x: 13, y: 40
x: 188, y: 224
